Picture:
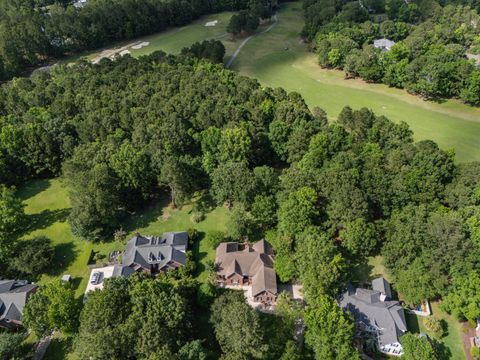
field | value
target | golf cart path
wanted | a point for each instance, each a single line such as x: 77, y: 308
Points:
x: 244, y: 42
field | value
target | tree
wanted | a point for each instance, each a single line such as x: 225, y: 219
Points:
x: 240, y: 224
x: 464, y: 296
x: 212, y: 50
x: 237, y: 327
x: 434, y: 325
x: 32, y: 256
x: 12, y: 218
x: 232, y: 182
x: 291, y: 351
x: 102, y: 333
x: 329, y: 330
x: 244, y: 21
x: 10, y: 345
x: 417, y: 348
x: 264, y: 210
x: 52, y: 307
x: 322, y: 268
x: 471, y: 93
x: 359, y: 237
x: 192, y: 350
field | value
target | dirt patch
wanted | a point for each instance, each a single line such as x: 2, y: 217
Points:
x: 467, y: 333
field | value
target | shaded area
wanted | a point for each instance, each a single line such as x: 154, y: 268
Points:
x: 45, y: 219
x: 33, y: 188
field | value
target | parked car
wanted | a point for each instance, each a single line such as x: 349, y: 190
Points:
x: 95, y: 278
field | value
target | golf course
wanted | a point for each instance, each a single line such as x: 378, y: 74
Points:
x: 278, y: 58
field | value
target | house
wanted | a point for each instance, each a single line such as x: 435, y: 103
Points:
x: 383, y: 44
x: 14, y: 295
x: 79, y: 3
x: 248, y: 265
x: 377, y: 314
x: 154, y: 254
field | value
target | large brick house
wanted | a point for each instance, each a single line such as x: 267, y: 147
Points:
x: 248, y: 265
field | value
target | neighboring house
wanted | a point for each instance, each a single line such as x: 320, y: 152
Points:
x: 248, y: 265
x: 14, y: 295
x: 377, y: 314
x: 154, y: 254
x: 79, y: 3
x: 383, y: 44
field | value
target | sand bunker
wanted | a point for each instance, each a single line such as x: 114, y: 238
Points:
x: 141, y: 45
x: 212, y: 23
x: 124, y: 52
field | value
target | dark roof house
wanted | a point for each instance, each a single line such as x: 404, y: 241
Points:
x: 376, y: 313
x: 154, y: 254
x: 248, y: 264
x: 13, y: 297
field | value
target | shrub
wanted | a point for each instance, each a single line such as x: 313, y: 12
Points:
x: 434, y: 325
x: 215, y: 238
x: 197, y: 217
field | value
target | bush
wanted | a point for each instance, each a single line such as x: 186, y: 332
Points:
x: 33, y: 256
x: 475, y: 351
x: 197, y: 217
x: 215, y: 237
x: 435, y: 326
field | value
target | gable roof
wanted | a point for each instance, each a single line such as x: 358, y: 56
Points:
x: 367, y: 308
x: 383, y: 286
x: 13, y: 297
x: 254, y: 261
x: 146, y: 251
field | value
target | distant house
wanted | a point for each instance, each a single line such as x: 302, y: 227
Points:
x: 377, y: 314
x: 79, y: 3
x: 383, y: 44
x: 248, y: 265
x: 14, y: 295
x: 154, y: 254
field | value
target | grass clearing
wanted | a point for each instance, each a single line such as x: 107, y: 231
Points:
x: 451, y: 342
x: 451, y: 124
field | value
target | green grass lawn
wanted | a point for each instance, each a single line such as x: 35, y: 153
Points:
x: 450, y: 124
x: 278, y: 58
x: 47, y: 206
x: 452, y: 342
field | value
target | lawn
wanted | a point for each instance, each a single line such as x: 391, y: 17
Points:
x: 452, y: 342
x: 279, y: 58
x: 47, y: 206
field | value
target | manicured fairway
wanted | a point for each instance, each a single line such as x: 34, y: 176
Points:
x: 279, y: 59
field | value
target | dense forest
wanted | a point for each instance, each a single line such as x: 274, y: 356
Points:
x: 432, y: 43
x: 325, y: 195
x: 32, y: 32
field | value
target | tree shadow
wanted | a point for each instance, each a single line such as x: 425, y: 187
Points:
x: 413, y: 325
x: 442, y: 351
x: 197, y: 255
x: 362, y: 273
x: 32, y: 188
x: 65, y: 254
x: 44, y: 219
x: 149, y: 214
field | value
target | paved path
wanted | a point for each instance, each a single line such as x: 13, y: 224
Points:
x: 42, y: 347
x: 244, y: 42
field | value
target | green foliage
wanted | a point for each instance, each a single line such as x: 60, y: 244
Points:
x: 32, y: 256
x: 434, y: 325
x: 417, y: 348
x: 214, y: 238
x: 237, y: 324
x: 243, y: 22
x: 329, y: 330
x: 192, y: 350
x: 463, y: 298
x: 240, y: 223
x: 232, y: 182
x: 359, y: 237
x: 10, y: 344
x: 212, y: 50
x: 264, y: 211
x: 12, y: 218
x: 52, y: 307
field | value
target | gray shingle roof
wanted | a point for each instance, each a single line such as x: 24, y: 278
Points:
x: 382, y: 285
x: 13, y: 297
x: 159, y: 251
x: 387, y: 317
